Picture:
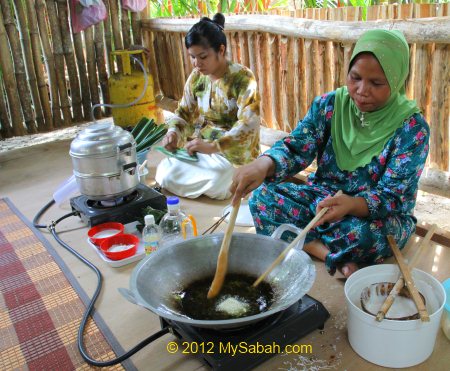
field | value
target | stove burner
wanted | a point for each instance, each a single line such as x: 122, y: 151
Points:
x: 124, y: 210
x: 280, y: 329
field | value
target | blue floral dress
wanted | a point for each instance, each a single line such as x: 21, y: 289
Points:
x: 388, y: 184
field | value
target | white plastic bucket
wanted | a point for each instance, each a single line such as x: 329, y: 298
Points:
x: 392, y: 343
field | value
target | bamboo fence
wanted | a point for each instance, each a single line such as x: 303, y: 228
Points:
x: 50, y: 77
x: 297, y: 56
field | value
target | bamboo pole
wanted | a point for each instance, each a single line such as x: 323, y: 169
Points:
x: 49, y: 62
x: 29, y: 66
x: 235, y: 50
x: 291, y: 83
x: 415, y: 30
x: 274, y: 80
x: 264, y: 85
x: 186, y: 58
x: 19, y: 67
x: 178, y: 70
x: 118, y: 44
x: 318, y: 50
x: 7, y: 68
x: 302, y: 79
x: 69, y: 57
x: 108, y: 38
x: 440, y: 81
x: 38, y: 66
x: 5, y: 124
x: 243, y: 47
x: 101, y: 67
x: 309, y: 84
x: 252, y: 56
x: 412, y: 72
x: 59, y: 61
x: 328, y: 70
x: 229, y: 51
x: 84, y: 83
x: 153, y: 66
x: 92, y: 71
x: 125, y: 20
x: 136, y: 28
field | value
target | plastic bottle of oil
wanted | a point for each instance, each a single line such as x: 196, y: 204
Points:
x: 150, y: 235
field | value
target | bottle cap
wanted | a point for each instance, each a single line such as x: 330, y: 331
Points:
x: 173, y: 200
x: 149, y: 219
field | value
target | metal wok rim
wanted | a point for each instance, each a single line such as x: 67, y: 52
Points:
x: 218, y: 324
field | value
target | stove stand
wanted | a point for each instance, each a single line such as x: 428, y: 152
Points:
x: 280, y: 329
x: 125, y: 210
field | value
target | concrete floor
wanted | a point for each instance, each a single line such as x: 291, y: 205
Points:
x: 30, y: 176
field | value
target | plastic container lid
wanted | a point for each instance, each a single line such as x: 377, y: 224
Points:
x: 446, y: 285
x: 149, y: 219
x: 173, y: 200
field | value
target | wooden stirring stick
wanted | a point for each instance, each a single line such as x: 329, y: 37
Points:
x: 293, y: 243
x: 222, y: 260
x: 401, y: 282
x: 408, y: 280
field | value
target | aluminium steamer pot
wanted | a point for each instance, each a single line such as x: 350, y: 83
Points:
x: 172, y: 268
x: 104, y: 161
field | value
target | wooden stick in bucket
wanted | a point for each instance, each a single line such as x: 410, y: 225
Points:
x: 222, y: 260
x: 293, y: 243
x: 409, y: 280
x: 401, y: 282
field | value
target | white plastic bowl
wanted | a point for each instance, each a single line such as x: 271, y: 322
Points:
x: 392, y: 343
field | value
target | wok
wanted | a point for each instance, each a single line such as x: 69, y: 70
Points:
x: 174, y: 267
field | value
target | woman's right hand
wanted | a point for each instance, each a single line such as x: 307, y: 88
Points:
x: 249, y: 177
x: 170, y: 141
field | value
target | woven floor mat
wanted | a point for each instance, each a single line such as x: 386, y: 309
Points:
x: 41, y: 304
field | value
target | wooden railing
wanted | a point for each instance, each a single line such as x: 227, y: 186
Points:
x: 296, y: 59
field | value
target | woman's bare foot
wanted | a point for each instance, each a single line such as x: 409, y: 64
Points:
x: 348, y: 269
x: 316, y: 248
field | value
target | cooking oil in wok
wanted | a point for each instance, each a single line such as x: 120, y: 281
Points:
x: 237, y: 298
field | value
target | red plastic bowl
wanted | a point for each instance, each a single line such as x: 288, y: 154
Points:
x: 121, y: 239
x: 103, y: 227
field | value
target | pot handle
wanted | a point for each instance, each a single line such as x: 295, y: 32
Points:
x: 127, y: 294
x: 291, y: 228
x: 131, y: 167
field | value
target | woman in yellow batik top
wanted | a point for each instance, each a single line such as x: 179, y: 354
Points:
x: 217, y: 119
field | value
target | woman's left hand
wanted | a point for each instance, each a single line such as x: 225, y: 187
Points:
x: 198, y: 145
x: 340, y: 206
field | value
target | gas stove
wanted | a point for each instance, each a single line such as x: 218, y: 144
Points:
x: 125, y: 210
x: 215, y: 346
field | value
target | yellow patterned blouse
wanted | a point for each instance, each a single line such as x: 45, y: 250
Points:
x: 225, y: 111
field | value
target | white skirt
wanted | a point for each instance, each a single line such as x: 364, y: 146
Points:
x: 210, y: 176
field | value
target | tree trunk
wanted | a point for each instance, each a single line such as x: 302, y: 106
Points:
x: 49, y: 62
x: 38, y: 66
x: 19, y: 67
x: 70, y: 60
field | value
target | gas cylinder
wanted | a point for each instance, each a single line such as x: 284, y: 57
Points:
x: 127, y: 85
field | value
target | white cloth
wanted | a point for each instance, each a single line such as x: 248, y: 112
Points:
x: 210, y: 176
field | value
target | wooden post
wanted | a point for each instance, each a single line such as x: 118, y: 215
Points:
x: 243, y: 47
x: 125, y: 27
x: 264, y: 85
x: 108, y: 38
x: 118, y: 44
x: 136, y: 28
x: 5, y: 129
x: 92, y: 71
x: 274, y: 79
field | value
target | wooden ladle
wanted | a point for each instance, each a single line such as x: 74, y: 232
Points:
x: 222, y: 260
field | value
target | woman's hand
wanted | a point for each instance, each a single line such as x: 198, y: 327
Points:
x: 249, y: 177
x: 170, y: 141
x: 198, y: 145
x: 340, y: 206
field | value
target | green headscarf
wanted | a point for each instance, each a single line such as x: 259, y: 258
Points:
x: 354, y: 144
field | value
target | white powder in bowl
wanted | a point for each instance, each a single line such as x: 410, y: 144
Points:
x: 232, y: 306
x: 106, y: 233
x: 119, y: 247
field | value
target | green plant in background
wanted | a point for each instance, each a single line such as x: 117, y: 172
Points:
x: 182, y: 8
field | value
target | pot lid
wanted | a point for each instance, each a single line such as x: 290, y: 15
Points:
x: 100, y: 139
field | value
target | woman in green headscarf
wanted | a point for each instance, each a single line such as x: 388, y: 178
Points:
x: 370, y: 141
